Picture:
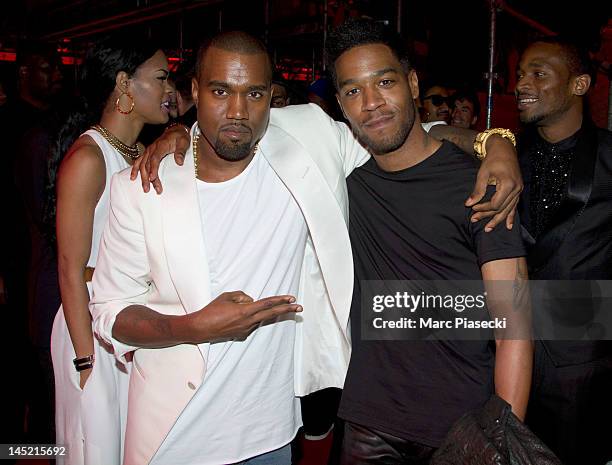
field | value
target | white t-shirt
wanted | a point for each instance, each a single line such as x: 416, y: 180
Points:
x: 255, y: 236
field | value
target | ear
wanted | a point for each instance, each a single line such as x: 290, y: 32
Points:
x: 121, y: 81
x: 194, y: 90
x: 581, y: 84
x: 413, y: 82
x: 341, y: 107
x: 474, y: 119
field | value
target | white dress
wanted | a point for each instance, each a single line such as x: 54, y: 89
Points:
x: 90, y: 422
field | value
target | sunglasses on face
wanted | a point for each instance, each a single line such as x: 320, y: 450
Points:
x: 438, y: 100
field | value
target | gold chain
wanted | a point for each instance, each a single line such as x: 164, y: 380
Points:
x: 196, y: 137
x: 132, y: 152
x: 195, y: 153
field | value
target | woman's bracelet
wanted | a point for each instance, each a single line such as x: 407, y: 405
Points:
x: 84, y: 363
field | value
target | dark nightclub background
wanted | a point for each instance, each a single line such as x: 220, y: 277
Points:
x: 450, y: 38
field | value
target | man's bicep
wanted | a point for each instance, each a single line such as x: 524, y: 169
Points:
x: 508, y: 269
x: 508, y: 297
x: 501, y: 255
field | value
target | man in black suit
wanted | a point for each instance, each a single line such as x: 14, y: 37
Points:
x: 566, y: 210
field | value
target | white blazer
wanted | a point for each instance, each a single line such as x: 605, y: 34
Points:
x: 152, y: 253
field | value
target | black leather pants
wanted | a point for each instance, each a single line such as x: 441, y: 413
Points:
x: 363, y: 445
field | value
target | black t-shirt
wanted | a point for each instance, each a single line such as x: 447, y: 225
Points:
x: 413, y: 225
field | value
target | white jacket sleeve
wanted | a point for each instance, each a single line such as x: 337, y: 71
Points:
x: 121, y: 277
x: 320, y: 134
x: 352, y: 152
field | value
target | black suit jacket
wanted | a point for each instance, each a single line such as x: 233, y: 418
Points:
x: 577, y: 245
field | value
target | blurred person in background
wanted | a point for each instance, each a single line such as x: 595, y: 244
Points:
x: 280, y: 94
x: 173, y: 109
x: 322, y: 93
x: 3, y: 91
x: 465, y: 109
x: 187, y: 112
x: 435, y: 104
x: 38, y: 83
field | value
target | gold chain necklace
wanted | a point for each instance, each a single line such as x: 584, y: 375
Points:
x: 132, y: 152
x: 195, y: 153
x: 196, y: 137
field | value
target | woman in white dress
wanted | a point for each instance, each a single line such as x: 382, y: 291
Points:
x: 124, y: 86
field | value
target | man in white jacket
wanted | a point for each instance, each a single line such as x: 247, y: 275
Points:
x: 206, y: 283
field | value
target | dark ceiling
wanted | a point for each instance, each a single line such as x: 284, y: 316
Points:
x: 47, y: 17
x: 454, y: 33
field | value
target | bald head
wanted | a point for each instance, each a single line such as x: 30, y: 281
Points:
x: 236, y: 42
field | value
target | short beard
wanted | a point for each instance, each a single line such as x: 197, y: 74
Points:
x: 233, y: 152
x: 391, y: 143
x: 388, y: 144
x: 547, y: 116
x: 533, y: 119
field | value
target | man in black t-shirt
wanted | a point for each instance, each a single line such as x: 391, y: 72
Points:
x: 408, y: 221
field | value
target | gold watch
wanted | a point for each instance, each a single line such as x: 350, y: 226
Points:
x: 481, y: 140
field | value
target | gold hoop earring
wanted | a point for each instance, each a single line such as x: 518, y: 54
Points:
x: 118, y: 104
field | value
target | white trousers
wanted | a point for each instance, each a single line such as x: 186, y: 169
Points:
x: 90, y: 422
